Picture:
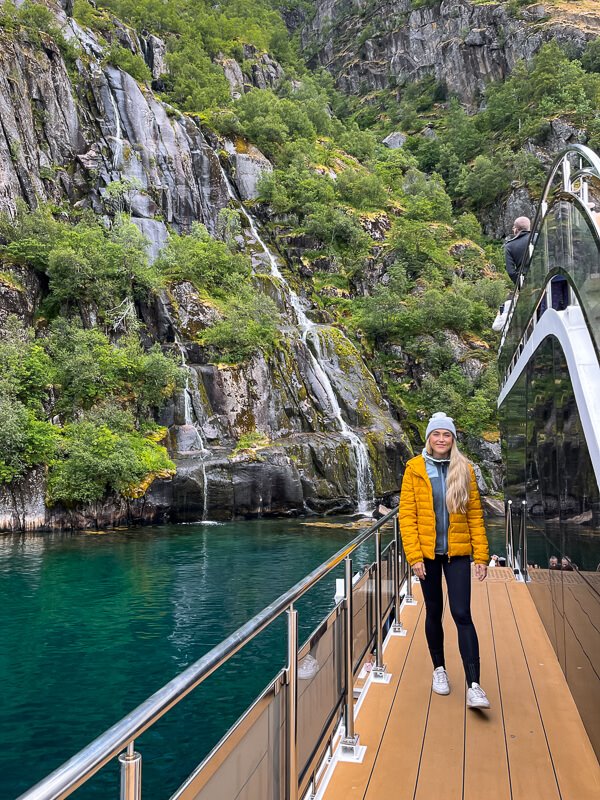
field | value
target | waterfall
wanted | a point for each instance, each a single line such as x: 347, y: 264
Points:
x: 118, y: 137
x: 310, y: 333
x: 188, y: 418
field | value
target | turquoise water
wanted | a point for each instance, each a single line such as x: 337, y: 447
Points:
x: 93, y: 623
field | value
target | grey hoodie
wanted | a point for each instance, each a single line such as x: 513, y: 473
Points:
x: 437, y: 470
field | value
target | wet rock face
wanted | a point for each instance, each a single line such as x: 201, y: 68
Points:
x: 154, y: 51
x: 22, y: 508
x: 56, y: 143
x: 40, y: 133
x: 463, y: 44
x: 498, y: 221
x: 247, y: 166
x: 20, y: 294
x: 489, y: 457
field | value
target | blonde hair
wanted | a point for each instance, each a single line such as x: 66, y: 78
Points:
x: 458, y: 483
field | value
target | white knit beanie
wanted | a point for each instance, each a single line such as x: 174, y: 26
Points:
x: 440, y: 422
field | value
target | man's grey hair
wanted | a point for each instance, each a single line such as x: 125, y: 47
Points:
x: 522, y: 224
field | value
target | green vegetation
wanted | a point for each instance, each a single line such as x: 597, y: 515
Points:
x: 86, y: 263
x: 480, y: 156
x: 197, y: 32
x: 81, y: 405
x: 208, y: 263
x: 249, y: 325
x: 390, y: 238
x: 130, y: 62
x: 39, y: 21
x: 250, y: 441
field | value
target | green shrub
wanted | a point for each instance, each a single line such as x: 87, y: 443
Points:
x: 361, y: 189
x: 37, y: 18
x: 25, y: 441
x: 86, y: 263
x: 249, y: 326
x: 133, y: 63
x: 88, y: 369
x: 26, y: 371
x: 202, y: 260
x: 93, y: 461
x: 270, y: 121
x: 298, y: 189
x: 590, y: 60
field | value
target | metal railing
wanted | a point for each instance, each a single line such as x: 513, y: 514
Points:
x: 119, y: 740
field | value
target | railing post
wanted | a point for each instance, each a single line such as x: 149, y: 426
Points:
x: 398, y: 628
x: 292, y: 703
x: 131, y: 774
x: 409, y: 600
x: 349, y: 744
x: 378, y: 670
x: 523, y: 540
x: 508, y: 533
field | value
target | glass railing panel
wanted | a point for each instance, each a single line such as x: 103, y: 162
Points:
x: 321, y: 686
x: 584, y: 243
x: 250, y: 762
x: 514, y: 421
x: 569, y: 242
x: 363, y: 630
x: 387, y: 579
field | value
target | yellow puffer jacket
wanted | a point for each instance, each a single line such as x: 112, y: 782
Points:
x: 466, y: 532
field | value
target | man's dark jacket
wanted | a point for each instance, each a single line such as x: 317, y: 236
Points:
x: 515, y: 251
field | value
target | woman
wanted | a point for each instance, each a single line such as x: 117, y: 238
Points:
x: 441, y: 521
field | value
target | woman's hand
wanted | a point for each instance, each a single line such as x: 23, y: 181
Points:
x: 419, y: 569
x: 481, y: 571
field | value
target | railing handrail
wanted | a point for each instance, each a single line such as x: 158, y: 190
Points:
x: 594, y: 161
x: 84, y: 764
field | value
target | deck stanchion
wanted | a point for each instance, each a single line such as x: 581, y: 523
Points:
x: 523, y: 540
x: 398, y: 628
x: 349, y: 744
x: 409, y: 600
x: 508, y: 533
x: 292, y: 703
x: 131, y: 774
x: 378, y: 670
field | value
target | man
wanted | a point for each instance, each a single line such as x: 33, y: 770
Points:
x: 516, y: 249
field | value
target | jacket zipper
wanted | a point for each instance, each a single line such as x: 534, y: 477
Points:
x: 446, y: 515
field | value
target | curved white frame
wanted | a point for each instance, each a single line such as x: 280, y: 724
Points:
x: 568, y: 178
x: 570, y: 328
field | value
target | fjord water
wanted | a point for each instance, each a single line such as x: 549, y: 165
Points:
x: 93, y: 623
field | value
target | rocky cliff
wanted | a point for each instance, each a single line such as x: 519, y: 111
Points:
x: 464, y: 44
x: 322, y: 437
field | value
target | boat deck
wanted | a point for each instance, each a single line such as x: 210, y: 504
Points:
x: 531, y: 744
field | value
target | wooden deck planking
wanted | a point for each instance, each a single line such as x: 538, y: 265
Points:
x: 350, y: 781
x: 573, y: 757
x: 441, y: 767
x: 485, y: 741
x: 397, y: 763
x: 531, y: 772
x: 531, y: 744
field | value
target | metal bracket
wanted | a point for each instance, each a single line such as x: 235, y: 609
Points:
x: 398, y: 629
x: 350, y: 750
x: 379, y: 675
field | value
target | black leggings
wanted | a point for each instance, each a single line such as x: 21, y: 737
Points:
x: 458, y: 580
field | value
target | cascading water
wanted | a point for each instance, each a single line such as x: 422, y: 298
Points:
x: 118, y: 137
x: 189, y: 421
x: 310, y: 333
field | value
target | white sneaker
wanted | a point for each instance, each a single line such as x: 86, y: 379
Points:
x: 476, y: 697
x: 440, y: 683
